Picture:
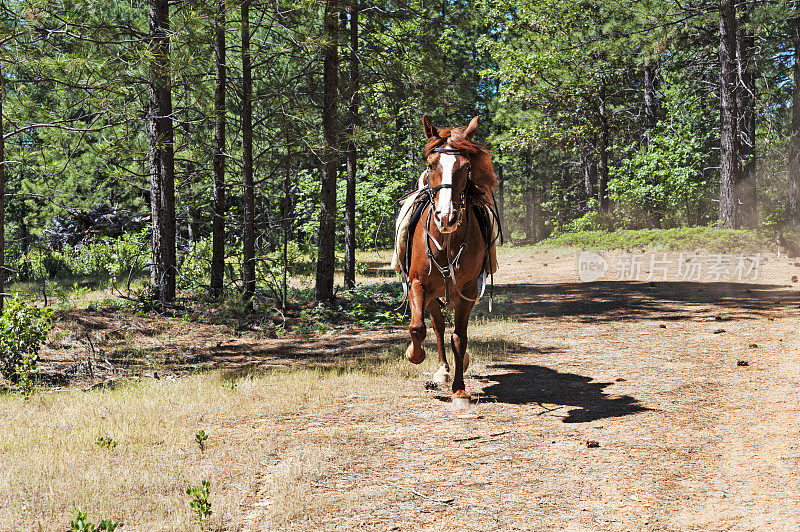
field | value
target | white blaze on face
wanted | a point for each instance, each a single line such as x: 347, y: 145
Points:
x: 444, y: 204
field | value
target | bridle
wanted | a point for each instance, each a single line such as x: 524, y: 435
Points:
x: 432, y: 191
x: 448, y: 270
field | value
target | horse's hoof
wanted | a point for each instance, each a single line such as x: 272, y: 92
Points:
x: 461, y: 399
x: 415, y: 359
x: 442, y: 376
x: 466, y: 360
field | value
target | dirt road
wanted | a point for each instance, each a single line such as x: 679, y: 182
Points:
x: 686, y: 389
x: 689, y: 389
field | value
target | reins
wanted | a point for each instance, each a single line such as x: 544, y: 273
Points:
x: 426, y: 200
x: 448, y: 270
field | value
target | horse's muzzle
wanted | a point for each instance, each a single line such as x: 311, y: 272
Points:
x: 448, y: 223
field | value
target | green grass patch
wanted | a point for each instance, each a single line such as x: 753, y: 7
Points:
x: 679, y: 238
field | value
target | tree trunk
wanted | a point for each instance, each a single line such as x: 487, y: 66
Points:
x: 352, y: 159
x: 285, y: 216
x: 602, y: 164
x: 650, y: 105
x: 534, y: 221
x: 528, y: 220
x: 218, y: 209
x: 747, y: 185
x: 589, y: 167
x: 192, y: 214
x: 2, y: 194
x: 793, y: 192
x: 501, y: 198
x: 24, y: 233
x: 326, y: 237
x: 191, y: 230
x: 160, y: 155
x: 728, y: 134
x: 248, y: 221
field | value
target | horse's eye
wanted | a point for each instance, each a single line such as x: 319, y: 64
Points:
x: 431, y: 167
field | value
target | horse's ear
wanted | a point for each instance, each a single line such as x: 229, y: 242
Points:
x: 430, y: 130
x: 471, y: 128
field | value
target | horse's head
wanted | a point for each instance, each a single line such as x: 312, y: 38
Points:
x: 448, y: 170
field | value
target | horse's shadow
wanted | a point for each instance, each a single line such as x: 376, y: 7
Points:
x: 530, y: 384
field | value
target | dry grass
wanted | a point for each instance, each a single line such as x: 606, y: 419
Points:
x: 336, y: 433
x: 51, y: 464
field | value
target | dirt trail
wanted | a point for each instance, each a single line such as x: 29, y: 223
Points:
x: 688, y: 438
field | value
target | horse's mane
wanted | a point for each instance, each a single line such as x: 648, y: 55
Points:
x: 483, y: 180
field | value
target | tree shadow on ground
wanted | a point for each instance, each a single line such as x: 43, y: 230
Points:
x: 586, y: 302
x: 531, y: 384
x: 616, y: 300
x: 370, y: 358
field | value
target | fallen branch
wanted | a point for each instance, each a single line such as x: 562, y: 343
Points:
x: 110, y: 383
x: 118, y: 330
x: 470, y: 438
x: 434, y: 499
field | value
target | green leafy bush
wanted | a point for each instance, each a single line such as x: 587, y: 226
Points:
x: 675, y: 239
x: 199, y: 502
x: 55, y: 264
x: 41, y: 263
x: 118, y: 258
x: 591, y: 221
x: 368, y: 306
x: 106, y: 442
x: 23, y: 330
x: 201, y: 438
x: 81, y: 524
x: 666, y: 182
x: 194, y: 270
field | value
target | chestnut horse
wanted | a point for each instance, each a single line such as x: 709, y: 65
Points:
x: 449, y: 252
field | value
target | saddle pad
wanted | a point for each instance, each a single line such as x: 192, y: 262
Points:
x: 416, y: 214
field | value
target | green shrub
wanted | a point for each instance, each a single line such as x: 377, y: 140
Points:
x: 41, y: 263
x: 201, y: 438
x: 195, y: 268
x: 591, y: 221
x: 55, y: 264
x: 199, y: 502
x: 675, y: 239
x: 118, y: 258
x: 106, y: 442
x: 23, y: 330
x: 666, y: 182
x: 81, y: 524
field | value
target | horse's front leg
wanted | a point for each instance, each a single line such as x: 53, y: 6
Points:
x: 459, y: 342
x: 442, y: 374
x: 416, y: 298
